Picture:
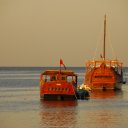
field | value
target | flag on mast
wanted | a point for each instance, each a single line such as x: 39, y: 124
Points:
x: 101, y: 56
x: 62, y: 63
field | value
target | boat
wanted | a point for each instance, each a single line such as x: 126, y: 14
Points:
x: 104, y: 73
x: 58, y: 84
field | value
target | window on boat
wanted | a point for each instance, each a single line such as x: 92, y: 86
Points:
x: 60, y: 77
x: 63, y: 77
x: 44, y: 77
x: 53, y: 78
x: 72, y: 79
x: 69, y: 78
x: 47, y: 78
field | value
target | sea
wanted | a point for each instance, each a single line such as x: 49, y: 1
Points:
x: 21, y: 107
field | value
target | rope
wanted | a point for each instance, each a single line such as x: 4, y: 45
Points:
x: 107, y: 40
x: 99, y: 40
x: 112, y: 49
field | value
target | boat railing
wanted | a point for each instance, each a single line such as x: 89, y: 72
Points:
x: 110, y: 63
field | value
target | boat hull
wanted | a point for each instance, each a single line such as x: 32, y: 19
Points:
x: 83, y: 94
x: 58, y: 97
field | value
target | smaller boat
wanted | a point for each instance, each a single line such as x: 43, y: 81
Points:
x: 58, y: 84
x: 83, y: 92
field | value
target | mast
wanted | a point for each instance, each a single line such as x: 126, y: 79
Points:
x: 104, y: 36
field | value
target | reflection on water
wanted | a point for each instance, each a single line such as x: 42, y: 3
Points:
x: 58, y: 113
x: 103, y: 110
x: 57, y: 104
x: 104, y: 118
x: 100, y: 94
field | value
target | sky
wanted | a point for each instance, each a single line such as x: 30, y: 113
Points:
x: 40, y: 32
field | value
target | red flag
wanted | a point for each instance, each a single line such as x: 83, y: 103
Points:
x: 101, y: 56
x: 62, y: 63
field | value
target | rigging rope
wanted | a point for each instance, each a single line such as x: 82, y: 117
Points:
x: 107, y: 40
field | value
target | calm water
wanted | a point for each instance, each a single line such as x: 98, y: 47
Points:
x: 20, y: 104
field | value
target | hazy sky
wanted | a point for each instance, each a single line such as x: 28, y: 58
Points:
x: 40, y: 32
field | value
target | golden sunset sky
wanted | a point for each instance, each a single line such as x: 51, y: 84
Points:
x: 40, y: 32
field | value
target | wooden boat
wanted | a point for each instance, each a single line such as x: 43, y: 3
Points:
x: 104, y: 73
x: 58, y: 84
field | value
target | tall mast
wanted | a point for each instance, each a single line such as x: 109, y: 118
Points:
x: 104, y: 36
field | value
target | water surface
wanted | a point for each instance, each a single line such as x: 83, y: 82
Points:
x: 20, y: 104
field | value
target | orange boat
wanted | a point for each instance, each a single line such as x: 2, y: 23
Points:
x: 104, y: 74
x: 58, y: 84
